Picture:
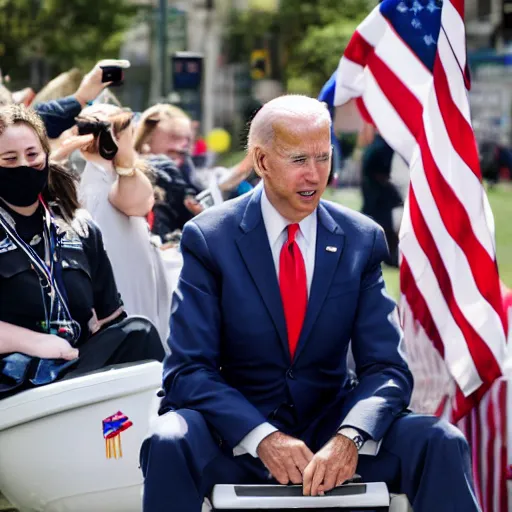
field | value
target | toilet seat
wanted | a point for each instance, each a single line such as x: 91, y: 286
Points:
x: 107, y: 383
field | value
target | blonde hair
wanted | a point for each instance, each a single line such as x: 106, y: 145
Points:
x: 61, y: 86
x: 150, y: 120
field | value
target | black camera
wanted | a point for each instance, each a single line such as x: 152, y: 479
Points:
x: 113, y: 71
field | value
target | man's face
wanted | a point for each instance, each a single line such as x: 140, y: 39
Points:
x: 296, y: 166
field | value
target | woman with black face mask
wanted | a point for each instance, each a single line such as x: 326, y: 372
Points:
x: 60, y: 312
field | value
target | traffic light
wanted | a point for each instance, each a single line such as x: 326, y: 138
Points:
x: 260, y: 64
x: 187, y: 71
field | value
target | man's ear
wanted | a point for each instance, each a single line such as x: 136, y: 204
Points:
x: 260, y: 161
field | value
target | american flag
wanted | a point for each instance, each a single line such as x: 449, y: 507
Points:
x: 406, y: 68
x: 405, y: 65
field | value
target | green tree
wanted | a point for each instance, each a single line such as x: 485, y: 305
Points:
x: 312, y: 35
x: 63, y: 32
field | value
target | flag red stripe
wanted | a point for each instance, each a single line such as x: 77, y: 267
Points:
x: 479, y: 350
x: 459, y: 7
x: 502, y: 411
x: 403, y: 100
x: 418, y: 305
x: 452, y: 211
x: 358, y: 49
x: 462, y: 405
x: 489, y: 415
x: 459, y: 130
x: 458, y: 224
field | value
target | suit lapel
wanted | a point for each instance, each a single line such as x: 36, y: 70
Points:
x: 329, y: 246
x: 257, y: 255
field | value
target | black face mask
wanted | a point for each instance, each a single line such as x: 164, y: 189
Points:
x: 21, y: 186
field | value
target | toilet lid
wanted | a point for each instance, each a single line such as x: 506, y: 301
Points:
x: 105, y: 384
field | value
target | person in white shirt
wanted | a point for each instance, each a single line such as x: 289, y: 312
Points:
x: 116, y: 191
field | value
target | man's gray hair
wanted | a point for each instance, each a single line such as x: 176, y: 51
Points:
x: 285, y: 108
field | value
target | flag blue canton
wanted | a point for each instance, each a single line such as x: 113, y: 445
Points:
x: 418, y: 24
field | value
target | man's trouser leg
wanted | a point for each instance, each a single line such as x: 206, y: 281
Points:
x: 181, y: 462
x: 428, y: 460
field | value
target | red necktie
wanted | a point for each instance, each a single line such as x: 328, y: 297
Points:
x: 294, y: 288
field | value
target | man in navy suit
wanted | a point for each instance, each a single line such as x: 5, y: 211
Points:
x: 275, y: 286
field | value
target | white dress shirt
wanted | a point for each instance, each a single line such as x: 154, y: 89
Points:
x: 275, y: 225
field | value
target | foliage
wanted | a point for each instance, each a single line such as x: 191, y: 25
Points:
x: 66, y: 33
x: 312, y: 35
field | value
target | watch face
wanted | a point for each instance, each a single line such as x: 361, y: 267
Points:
x: 359, y: 441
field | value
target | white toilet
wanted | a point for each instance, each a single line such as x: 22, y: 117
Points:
x: 53, y: 454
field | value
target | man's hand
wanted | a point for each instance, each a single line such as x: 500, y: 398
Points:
x: 335, y: 463
x: 285, y: 457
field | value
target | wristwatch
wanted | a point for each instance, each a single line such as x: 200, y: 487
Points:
x: 354, y: 435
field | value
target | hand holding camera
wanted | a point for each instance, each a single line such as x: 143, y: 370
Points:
x: 106, y: 73
x: 113, y: 71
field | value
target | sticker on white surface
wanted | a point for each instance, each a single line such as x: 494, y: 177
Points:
x: 112, y: 428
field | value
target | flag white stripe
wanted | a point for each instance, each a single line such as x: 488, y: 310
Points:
x: 432, y: 381
x: 451, y: 22
x: 372, y: 28
x: 456, y: 78
x: 457, y: 174
x: 477, y: 311
x: 354, y: 81
x: 456, y: 352
x: 392, y: 50
x: 498, y: 442
x: 387, y: 120
x: 481, y: 417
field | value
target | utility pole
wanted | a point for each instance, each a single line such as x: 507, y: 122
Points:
x: 211, y: 51
x: 163, y: 57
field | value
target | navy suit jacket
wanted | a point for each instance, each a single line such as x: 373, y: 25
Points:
x: 229, y: 355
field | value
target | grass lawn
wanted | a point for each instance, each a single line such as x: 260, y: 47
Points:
x: 501, y: 204
x: 230, y: 159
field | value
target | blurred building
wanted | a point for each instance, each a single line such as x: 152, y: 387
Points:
x: 197, y: 26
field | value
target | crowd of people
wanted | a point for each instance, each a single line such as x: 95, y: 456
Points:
x: 92, y: 196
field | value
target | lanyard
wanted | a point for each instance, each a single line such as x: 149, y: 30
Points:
x: 49, y: 273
